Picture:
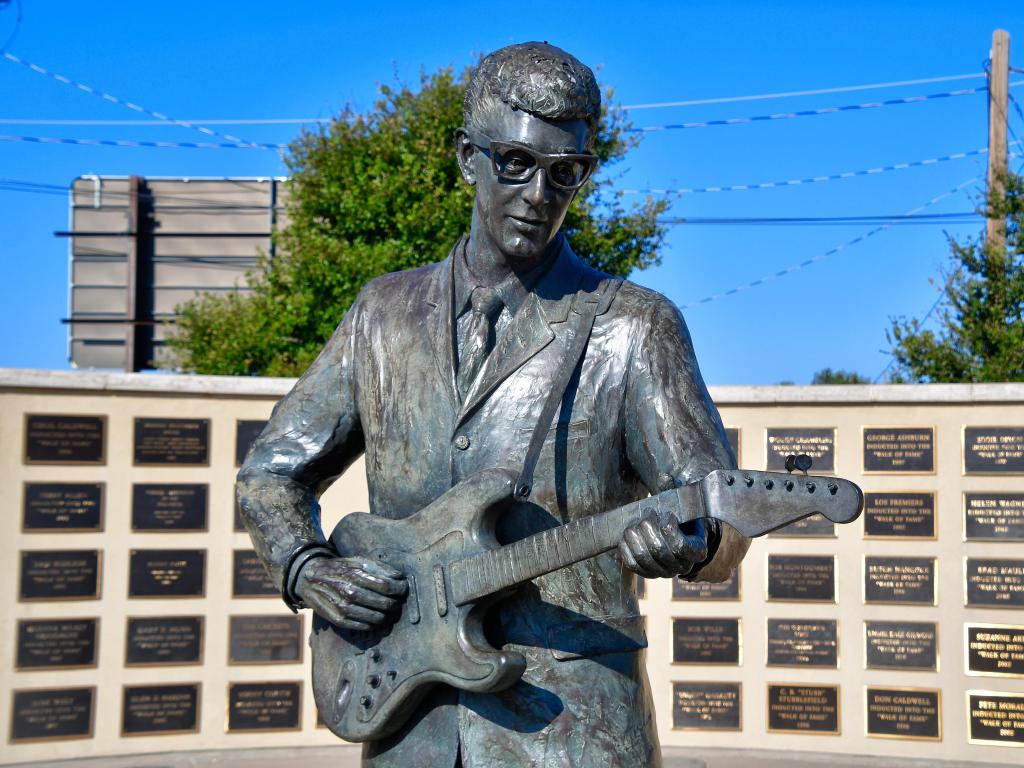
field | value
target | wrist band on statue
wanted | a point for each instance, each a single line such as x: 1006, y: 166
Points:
x: 302, y: 557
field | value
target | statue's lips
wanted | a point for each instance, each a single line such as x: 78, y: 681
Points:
x: 528, y: 223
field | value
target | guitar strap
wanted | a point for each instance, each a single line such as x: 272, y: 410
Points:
x: 585, y: 309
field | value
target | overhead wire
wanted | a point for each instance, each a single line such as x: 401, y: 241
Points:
x: 143, y: 144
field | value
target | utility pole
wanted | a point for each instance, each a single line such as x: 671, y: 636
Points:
x: 998, y: 103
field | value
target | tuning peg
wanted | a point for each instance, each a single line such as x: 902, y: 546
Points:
x: 801, y: 461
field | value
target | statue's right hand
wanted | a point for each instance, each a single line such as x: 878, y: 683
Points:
x: 351, y: 592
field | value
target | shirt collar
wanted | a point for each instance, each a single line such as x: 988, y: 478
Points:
x: 513, y: 290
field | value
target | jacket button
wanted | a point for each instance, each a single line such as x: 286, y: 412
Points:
x: 462, y: 442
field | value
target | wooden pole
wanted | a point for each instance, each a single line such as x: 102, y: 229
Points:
x: 998, y: 103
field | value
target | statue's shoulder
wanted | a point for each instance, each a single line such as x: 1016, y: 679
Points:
x: 407, y: 285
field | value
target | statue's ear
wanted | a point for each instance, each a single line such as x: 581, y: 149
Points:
x: 464, y: 151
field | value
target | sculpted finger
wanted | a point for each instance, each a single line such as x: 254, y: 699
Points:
x: 638, y: 548
x: 383, y: 585
x: 629, y: 561
x: 679, y: 544
x: 350, y: 624
x: 369, y: 599
x: 360, y: 613
x: 657, y: 546
x: 379, y: 568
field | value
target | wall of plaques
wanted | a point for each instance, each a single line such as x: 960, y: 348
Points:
x: 136, y: 618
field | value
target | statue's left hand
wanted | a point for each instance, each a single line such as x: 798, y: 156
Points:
x: 670, y: 550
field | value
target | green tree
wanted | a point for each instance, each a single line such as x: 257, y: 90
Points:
x: 980, y: 316
x: 377, y: 193
x: 838, y: 376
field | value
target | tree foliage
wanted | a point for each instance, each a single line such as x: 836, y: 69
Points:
x: 838, y: 376
x: 980, y: 317
x: 377, y: 193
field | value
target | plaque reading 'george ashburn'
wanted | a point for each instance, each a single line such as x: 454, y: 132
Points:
x: 994, y: 583
x: 63, y: 507
x: 993, y: 450
x: 60, y: 439
x: 995, y: 717
x: 706, y: 641
x: 167, y: 573
x: 911, y: 645
x: 906, y: 580
x: 271, y: 706
x: 994, y: 649
x: 803, y: 708
x: 150, y: 710
x: 64, y: 574
x: 899, y: 515
x: 155, y: 640
x: 183, y: 442
x: 903, y: 713
x: 803, y: 643
x: 51, y: 714
x: 169, y: 507
x: 702, y: 706
x: 810, y: 578
x: 56, y: 643
x: 901, y: 450
x: 997, y: 516
x: 272, y: 639
x: 817, y: 442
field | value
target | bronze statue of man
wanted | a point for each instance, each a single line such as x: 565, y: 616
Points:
x: 439, y: 372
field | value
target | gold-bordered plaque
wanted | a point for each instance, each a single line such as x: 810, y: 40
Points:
x: 707, y: 640
x: 899, y: 580
x: 160, y: 709
x: 265, y: 639
x: 991, y: 450
x: 730, y: 590
x: 170, y: 507
x: 995, y: 718
x: 994, y: 650
x: 803, y: 708
x: 993, y: 516
x: 817, y: 442
x: 62, y: 507
x: 909, y: 646
x: 897, y: 450
x: 908, y: 714
x: 166, y: 573
x: 170, y: 442
x: 801, y: 643
x: 734, y: 435
x: 249, y: 578
x: 811, y: 578
x: 265, y: 706
x: 57, y: 643
x: 164, y: 641
x: 900, y: 515
x: 52, y: 714
x: 68, y: 439
x: 707, y: 706
x: 246, y: 431
x: 49, y: 575
x: 993, y: 582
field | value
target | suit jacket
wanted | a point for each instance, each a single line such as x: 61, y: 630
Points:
x: 636, y: 418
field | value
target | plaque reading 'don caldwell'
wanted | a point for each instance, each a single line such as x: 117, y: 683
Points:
x: 168, y: 507
x: 817, y: 442
x: 995, y: 650
x: 49, y: 714
x: 167, y: 573
x: 994, y: 583
x: 168, y: 640
x: 245, y: 433
x: 62, y: 507
x: 803, y: 578
x: 152, y: 710
x: 910, y: 645
x: 995, y: 717
x: 902, y: 450
x: 993, y: 450
x: 59, y: 439
x: 706, y: 641
x: 272, y: 639
x: 899, y: 515
x: 803, y: 708
x: 706, y: 590
x: 56, y: 643
x: 903, y: 713
x: 183, y: 442
x: 271, y: 706
x: 700, y: 706
x: 994, y: 516
x: 732, y: 434
x: 803, y: 643
x: 63, y: 574
x: 905, y: 580
x: 249, y: 578
x: 813, y: 527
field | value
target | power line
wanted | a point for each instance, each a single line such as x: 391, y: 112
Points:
x: 17, y: 25
x: 964, y: 217
x: 144, y: 123
x: 934, y: 306
x: 143, y: 144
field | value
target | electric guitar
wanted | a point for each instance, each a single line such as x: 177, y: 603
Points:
x: 367, y: 683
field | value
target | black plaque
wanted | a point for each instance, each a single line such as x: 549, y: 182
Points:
x: 271, y: 706
x: 699, y: 706
x: 183, y: 442
x: 167, y: 573
x: 994, y: 516
x: 803, y: 708
x: 245, y: 433
x: 993, y: 450
x: 249, y: 578
x: 238, y: 525
x: 995, y: 717
x: 56, y: 643
x: 152, y: 710
x: 706, y: 641
x: 62, y: 574
x: 732, y: 434
x: 994, y: 649
x: 904, y: 580
x: 901, y: 450
x: 168, y: 640
x: 903, y: 713
x: 817, y: 442
x: 909, y: 645
x: 271, y: 639
x: 803, y: 643
x: 169, y: 507
x: 706, y: 590
x: 50, y: 714
x: 813, y: 527
x: 802, y: 578
x: 61, y: 439
x: 899, y: 515
x: 63, y: 507
x: 994, y: 583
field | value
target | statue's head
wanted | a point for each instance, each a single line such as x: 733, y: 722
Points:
x: 531, y: 116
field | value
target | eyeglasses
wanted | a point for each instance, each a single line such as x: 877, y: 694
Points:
x: 516, y: 163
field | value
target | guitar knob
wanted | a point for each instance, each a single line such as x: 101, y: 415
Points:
x: 366, y: 702
x: 789, y: 485
x: 729, y: 479
x: 769, y: 483
x: 392, y: 674
x: 748, y: 481
x: 811, y: 487
x: 373, y: 680
x: 375, y: 655
x: 833, y: 488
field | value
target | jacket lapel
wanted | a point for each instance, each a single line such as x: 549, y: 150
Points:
x: 439, y: 325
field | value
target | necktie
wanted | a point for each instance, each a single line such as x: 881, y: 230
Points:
x: 479, y: 340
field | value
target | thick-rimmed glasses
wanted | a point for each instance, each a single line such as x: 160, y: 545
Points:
x: 516, y: 163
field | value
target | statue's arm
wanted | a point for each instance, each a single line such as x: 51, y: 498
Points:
x: 674, y: 434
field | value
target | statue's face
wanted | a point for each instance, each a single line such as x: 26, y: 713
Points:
x: 521, y: 219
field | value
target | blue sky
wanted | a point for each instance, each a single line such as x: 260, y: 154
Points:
x: 279, y: 60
